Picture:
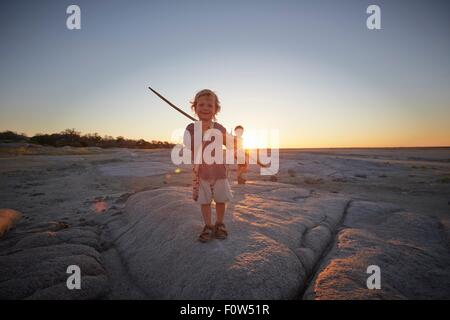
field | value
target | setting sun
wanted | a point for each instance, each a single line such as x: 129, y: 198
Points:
x: 251, y: 142
x: 259, y: 139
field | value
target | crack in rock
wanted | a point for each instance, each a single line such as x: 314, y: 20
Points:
x: 410, y: 249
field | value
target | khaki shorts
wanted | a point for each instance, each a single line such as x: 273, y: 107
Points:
x: 219, y: 190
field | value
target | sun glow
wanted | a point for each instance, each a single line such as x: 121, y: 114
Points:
x: 260, y: 139
x: 252, y: 142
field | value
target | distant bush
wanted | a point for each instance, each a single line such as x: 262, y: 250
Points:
x: 10, y: 136
x: 73, y: 138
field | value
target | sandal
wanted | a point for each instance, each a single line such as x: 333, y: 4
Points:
x: 206, y: 234
x: 220, y: 231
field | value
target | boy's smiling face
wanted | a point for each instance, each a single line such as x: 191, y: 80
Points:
x: 206, y: 107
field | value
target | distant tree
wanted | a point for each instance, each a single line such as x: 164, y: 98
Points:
x: 71, y: 137
x: 71, y: 132
x: 11, y: 136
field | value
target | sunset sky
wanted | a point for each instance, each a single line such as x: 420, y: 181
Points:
x: 310, y: 69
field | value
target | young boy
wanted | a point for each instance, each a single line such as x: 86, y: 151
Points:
x: 213, y: 183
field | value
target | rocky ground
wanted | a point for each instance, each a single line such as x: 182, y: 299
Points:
x: 125, y: 217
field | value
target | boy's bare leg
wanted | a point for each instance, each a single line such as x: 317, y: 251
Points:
x: 241, y: 175
x: 206, y: 212
x: 220, y: 211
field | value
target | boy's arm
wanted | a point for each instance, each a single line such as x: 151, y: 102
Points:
x: 188, y: 140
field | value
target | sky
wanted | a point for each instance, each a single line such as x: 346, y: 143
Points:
x: 310, y: 69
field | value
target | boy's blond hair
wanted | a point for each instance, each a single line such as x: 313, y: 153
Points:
x: 206, y: 92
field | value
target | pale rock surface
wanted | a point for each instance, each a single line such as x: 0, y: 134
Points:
x: 411, y: 250
x: 277, y: 233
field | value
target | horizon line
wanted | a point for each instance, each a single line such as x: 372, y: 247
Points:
x: 284, y: 148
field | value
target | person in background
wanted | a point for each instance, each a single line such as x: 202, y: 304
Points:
x: 241, y: 168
